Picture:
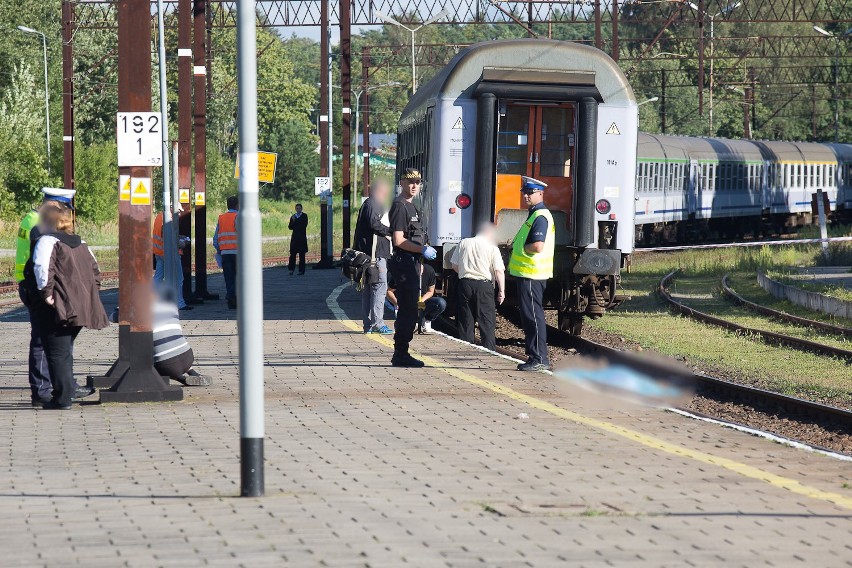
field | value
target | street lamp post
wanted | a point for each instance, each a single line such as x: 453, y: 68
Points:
x: 836, y: 39
x: 412, y: 31
x: 724, y: 12
x: 27, y: 30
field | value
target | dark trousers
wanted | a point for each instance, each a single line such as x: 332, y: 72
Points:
x: 176, y: 366
x: 59, y: 348
x: 39, y: 371
x: 531, y: 304
x: 229, y: 271
x: 301, y: 261
x: 476, y: 304
x: 403, y: 270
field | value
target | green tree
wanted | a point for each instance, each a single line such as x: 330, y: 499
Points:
x: 96, y: 166
x: 298, y: 161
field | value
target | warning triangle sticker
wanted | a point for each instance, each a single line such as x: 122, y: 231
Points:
x: 126, y: 186
x: 613, y: 129
x: 459, y: 125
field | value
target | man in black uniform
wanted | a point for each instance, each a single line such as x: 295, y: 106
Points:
x: 409, y: 242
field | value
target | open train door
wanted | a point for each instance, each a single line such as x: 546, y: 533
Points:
x: 692, y: 198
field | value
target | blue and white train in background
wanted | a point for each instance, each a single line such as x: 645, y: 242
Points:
x: 696, y: 188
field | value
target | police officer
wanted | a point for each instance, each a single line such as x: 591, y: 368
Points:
x: 409, y: 242
x: 531, y: 264
x: 28, y: 233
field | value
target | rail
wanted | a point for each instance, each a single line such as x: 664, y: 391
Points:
x: 767, y: 336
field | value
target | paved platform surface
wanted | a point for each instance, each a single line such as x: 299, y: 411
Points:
x: 368, y: 465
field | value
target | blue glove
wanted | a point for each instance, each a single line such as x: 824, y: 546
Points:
x: 429, y: 253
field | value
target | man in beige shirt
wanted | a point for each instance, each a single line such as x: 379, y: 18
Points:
x: 479, y: 264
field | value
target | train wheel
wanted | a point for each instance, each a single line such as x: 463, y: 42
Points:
x: 571, y: 323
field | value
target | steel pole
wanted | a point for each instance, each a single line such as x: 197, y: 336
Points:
x: 46, y: 99
x: 413, y: 64
x: 330, y: 225
x: 836, y: 86
x: 357, y: 125
x: 249, y: 271
x: 712, y: 57
x: 68, y: 94
x: 169, y: 244
x: 346, y: 97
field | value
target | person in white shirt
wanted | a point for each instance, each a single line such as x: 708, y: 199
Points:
x: 479, y: 265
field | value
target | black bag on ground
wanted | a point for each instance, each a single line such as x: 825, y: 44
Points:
x: 353, y: 264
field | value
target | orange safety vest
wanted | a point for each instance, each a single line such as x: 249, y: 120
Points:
x: 228, y: 231
x: 157, y: 236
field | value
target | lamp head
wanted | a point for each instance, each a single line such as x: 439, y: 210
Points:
x: 27, y: 30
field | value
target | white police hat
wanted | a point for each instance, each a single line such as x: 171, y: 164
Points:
x: 58, y: 194
x: 529, y: 184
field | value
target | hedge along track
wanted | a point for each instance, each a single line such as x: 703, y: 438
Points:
x: 112, y: 275
x: 782, y: 316
x: 769, y: 337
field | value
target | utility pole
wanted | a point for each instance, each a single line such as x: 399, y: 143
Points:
x: 139, y: 381
x: 345, y: 91
x: 169, y: 237
x: 68, y: 93
x: 325, y: 131
x: 199, y: 72
x: 184, y: 163
x: 365, y: 151
x: 249, y: 259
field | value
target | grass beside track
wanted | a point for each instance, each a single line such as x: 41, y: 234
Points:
x: 647, y: 320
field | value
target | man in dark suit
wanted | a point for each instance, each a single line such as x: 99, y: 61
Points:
x: 299, y: 240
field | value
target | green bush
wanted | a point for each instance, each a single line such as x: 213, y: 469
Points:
x: 96, y: 179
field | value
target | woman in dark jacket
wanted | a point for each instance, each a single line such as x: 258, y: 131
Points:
x: 65, y: 279
x: 299, y: 241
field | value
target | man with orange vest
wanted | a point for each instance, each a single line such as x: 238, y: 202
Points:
x: 158, y: 245
x: 225, y: 243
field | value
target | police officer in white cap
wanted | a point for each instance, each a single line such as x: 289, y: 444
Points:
x: 28, y: 234
x: 531, y: 264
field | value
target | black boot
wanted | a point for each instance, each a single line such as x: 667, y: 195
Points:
x: 406, y: 360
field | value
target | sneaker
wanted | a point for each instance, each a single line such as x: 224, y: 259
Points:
x: 426, y: 328
x: 193, y: 379
x: 406, y: 360
x: 384, y: 330
x: 533, y: 366
x: 369, y: 331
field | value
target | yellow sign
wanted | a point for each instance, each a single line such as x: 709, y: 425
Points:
x: 199, y: 198
x: 141, y: 191
x: 183, y: 196
x: 124, y: 188
x: 266, y: 163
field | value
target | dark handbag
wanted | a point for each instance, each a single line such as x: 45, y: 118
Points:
x: 354, y: 264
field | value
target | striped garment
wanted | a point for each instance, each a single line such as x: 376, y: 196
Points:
x: 168, y: 337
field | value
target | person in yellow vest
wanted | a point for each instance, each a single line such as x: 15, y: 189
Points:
x: 531, y: 264
x: 158, y: 246
x: 225, y: 243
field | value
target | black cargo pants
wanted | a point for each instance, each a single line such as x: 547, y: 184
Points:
x: 403, y: 268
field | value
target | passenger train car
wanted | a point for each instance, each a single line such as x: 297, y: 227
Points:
x: 696, y: 188
x: 557, y: 111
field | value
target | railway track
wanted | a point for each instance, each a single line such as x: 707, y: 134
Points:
x: 112, y: 275
x: 797, y: 415
x: 770, y: 337
x: 782, y: 316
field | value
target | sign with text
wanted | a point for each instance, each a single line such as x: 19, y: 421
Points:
x: 139, y: 139
x: 266, y: 162
x: 322, y: 185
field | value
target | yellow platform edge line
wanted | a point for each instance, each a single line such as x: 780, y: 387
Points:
x: 745, y: 470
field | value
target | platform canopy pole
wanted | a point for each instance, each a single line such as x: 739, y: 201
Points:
x: 249, y: 258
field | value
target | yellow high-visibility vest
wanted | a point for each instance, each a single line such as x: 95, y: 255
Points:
x: 537, y: 266
x: 22, y: 254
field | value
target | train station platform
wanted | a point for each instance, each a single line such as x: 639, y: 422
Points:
x: 370, y: 465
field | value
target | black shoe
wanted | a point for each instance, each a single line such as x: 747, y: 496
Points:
x: 40, y: 401
x: 232, y: 305
x: 187, y: 308
x: 83, y: 392
x: 406, y: 360
x: 533, y: 366
x: 53, y: 405
x: 302, y: 273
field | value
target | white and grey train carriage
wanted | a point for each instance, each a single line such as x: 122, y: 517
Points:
x: 703, y: 187
x: 556, y: 111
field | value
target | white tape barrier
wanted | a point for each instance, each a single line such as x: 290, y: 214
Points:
x: 750, y: 244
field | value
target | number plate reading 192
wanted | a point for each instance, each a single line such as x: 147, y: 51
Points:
x: 139, y: 139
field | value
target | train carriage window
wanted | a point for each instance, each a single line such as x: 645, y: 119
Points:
x: 820, y: 169
x: 513, y: 141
